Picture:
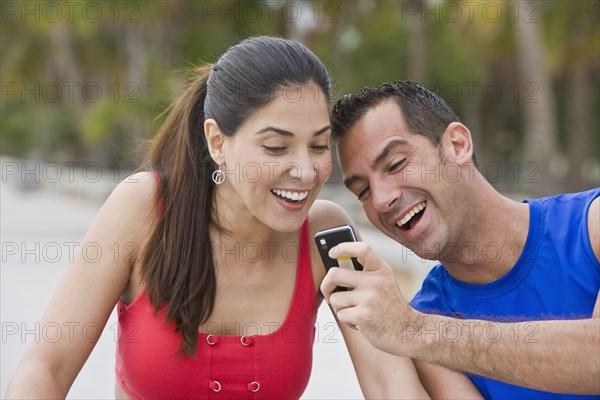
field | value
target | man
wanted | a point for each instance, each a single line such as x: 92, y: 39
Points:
x: 514, y: 300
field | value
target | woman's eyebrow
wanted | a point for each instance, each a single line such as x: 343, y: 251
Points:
x: 322, y: 130
x: 283, y: 132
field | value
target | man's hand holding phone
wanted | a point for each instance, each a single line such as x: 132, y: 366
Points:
x: 374, y: 306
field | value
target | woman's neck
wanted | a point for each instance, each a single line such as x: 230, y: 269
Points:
x: 237, y: 224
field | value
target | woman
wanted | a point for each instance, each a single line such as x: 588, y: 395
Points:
x: 220, y: 296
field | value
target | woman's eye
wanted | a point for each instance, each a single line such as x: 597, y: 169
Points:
x: 321, y: 148
x: 275, y: 149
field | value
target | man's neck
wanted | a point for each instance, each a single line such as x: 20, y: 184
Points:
x: 496, y: 234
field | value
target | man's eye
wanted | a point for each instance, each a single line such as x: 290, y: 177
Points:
x: 363, y: 193
x: 275, y: 149
x: 396, y: 166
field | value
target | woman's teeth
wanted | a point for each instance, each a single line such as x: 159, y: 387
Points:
x: 411, y: 214
x: 293, y: 196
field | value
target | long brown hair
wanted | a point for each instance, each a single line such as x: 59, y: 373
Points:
x: 177, y: 262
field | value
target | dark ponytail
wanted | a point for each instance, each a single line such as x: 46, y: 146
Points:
x: 177, y: 263
x: 178, y: 266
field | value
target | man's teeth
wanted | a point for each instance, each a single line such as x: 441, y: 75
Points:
x: 294, y: 196
x: 411, y: 214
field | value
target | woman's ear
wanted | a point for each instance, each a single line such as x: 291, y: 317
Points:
x: 215, y: 140
x: 458, y: 144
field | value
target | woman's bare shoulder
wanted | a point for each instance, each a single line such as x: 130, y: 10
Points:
x: 326, y: 214
x: 140, y: 188
x: 128, y: 212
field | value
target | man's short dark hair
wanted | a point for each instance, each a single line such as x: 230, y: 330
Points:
x: 424, y: 112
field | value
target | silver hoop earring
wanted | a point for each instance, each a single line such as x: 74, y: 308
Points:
x: 218, y: 176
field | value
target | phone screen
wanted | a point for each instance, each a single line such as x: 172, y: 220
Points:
x: 329, y: 238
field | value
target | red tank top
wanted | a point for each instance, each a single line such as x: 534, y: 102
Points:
x: 270, y: 362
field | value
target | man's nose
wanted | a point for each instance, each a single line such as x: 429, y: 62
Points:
x: 384, y: 194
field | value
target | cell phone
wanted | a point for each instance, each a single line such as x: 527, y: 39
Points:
x: 329, y: 238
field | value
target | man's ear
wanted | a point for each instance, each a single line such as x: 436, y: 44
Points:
x: 457, y: 143
x: 215, y: 140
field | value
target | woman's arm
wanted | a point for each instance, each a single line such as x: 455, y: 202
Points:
x: 442, y: 383
x: 380, y: 375
x: 87, y: 293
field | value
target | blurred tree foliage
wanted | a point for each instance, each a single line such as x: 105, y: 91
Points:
x: 86, y: 80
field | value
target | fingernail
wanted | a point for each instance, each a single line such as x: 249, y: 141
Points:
x: 332, y: 252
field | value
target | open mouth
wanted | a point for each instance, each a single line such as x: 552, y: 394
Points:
x: 289, y: 196
x: 412, y: 217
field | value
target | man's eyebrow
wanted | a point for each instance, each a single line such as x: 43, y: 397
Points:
x: 283, y: 132
x: 349, y: 181
x: 386, y: 151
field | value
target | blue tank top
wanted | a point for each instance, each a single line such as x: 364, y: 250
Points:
x: 557, y: 276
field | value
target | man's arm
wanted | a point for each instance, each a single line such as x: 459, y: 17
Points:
x: 561, y: 356
x: 558, y: 356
